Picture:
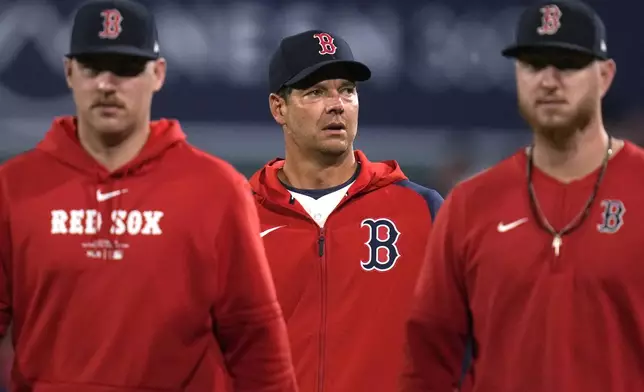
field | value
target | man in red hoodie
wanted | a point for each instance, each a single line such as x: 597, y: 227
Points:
x: 118, y: 270
x: 345, y: 237
x: 541, y: 256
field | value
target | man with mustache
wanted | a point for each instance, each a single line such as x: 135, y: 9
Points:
x: 541, y: 256
x: 345, y: 237
x: 117, y: 269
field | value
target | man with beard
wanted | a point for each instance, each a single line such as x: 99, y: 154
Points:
x: 540, y: 257
x: 345, y: 237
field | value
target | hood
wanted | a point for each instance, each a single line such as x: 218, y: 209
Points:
x: 373, y: 175
x: 61, y: 142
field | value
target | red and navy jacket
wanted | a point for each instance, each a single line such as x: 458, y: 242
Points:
x: 345, y: 287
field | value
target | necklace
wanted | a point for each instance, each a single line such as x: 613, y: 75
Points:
x: 557, y: 236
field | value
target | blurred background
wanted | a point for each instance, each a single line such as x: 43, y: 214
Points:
x: 441, y: 101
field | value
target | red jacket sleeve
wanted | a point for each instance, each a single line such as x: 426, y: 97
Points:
x: 437, y: 330
x: 5, y: 261
x: 248, y: 319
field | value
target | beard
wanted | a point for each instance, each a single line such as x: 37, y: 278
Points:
x: 560, y: 126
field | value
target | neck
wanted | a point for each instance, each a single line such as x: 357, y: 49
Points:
x: 115, y: 150
x: 309, y: 172
x: 583, y: 154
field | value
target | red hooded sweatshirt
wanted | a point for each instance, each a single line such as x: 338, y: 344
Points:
x: 344, y: 288
x: 121, y: 281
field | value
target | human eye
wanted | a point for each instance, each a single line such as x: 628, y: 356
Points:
x: 316, y: 92
x: 349, y: 90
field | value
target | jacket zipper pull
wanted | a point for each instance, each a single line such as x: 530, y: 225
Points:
x: 321, y: 245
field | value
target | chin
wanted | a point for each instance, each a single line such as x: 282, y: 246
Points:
x: 110, y: 125
x: 562, y: 120
x: 555, y: 123
x: 335, y: 148
x: 540, y: 119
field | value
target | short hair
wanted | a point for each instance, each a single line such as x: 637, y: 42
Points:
x: 284, y: 92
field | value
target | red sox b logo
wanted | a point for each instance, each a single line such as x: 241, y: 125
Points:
x: 383, y: 235
x: 550, y: 20
x: 326, y: 43
x: 612, y: 216
x: 112, y: 20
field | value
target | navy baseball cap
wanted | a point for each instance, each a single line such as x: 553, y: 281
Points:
x: 303, y: 55
x: 563, y: 24
x: 114, y: 27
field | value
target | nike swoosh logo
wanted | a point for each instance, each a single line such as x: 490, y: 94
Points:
x: 109, y: 195
x: 502, y: 228
x: 272, y: 229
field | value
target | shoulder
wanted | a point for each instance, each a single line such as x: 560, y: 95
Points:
x: 633, y: 153
x: 22, y: 164
x: 508, y: 173
x: 481, y: 197
x: 21, y: 173
x: 210, y: 180
x: 212, y: 169
x: 431, y: 197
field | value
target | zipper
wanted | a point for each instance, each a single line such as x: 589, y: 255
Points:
x: 321, y: 245
x: 323, y: 285
x: 323, y: 305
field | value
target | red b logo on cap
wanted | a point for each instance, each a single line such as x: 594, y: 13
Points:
x: 326, y: 43
x: 112, y: 20
x: 550, y: 20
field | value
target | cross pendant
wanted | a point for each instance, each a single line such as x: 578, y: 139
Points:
x: 556, y: 244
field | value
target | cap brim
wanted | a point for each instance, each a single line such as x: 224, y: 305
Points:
x: 116, y: 49
x: 354, y: 71
x: 516, y: 50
